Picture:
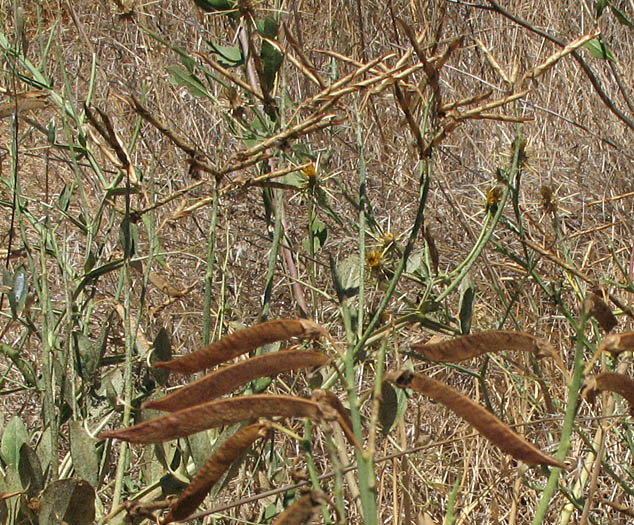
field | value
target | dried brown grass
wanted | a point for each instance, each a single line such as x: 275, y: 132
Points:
x: 576, y: 147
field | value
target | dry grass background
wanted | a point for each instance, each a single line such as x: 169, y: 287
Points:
x: 575, y: 148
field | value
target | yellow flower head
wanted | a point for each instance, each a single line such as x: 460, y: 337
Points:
x: 373, y: 259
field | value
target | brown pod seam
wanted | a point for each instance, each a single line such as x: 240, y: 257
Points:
x: 241, y: 342
x: 303, y: 510
x: 474, y: 345
x: 212, y: 471
x: 219, y: 412
x: 228, y: 378
x: 617, y: 343
x: 612, y: 382
x: 499, y: 433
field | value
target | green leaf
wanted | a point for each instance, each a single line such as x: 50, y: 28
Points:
x: 25, y: 368
x: 268, y: 27
x: 215, y: 5
x: 295, y: 179
x: 349, y: 276
x: 272, y: 60
x: 319, y: 235
x: 415, y: 263
x: 30, y: 471
x: 229, y: 56
x: 83, y: 454
x: 620, y: 16
x: 601, y: 5
x: 200, y: 447
x: 70, y: 501
x: 162, y: 352
x: 391, y: 407
x: 128, y: 235
x: 87, y: 356
x: 15, y: 435
x: 260, y: 384
x: 183, y: 78
x: 387, y: 407
x: 599, y: 49
x: 19, y: 290
x: 64, y: 197
x: 10, y: 507
x: 467, y: 298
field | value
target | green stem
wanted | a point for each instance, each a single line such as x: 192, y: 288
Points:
x: 275, y: 247
x: 566, y: 433
x: 363, y: 198
x: 209, y: 271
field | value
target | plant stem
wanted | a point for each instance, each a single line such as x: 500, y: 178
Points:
x: 209, y: 271
x: 571, y: 409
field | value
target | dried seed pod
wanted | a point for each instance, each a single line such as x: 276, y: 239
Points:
x: 303, y: 510
x: 595, y: 306
x: 230, y: 377
x: 612, y: 382
x: 332, y: 409
x: 241, y: 342
x: 617, y: 343
x: 480, y: 418
x: 212, y: 471
x: 219, y: 412
x: 473, y: 345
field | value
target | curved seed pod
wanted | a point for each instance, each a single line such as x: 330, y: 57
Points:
x: 469, y: 346
x: 241, y: 342
x: 479, y: 417
x: 303, y: 510
x: 230, y: 377
x: 215, y: 413
x: 332, y: 409
x: 617, y: 343
x: 595, y: 305
x: 611, y: 381
x: 213, y: 470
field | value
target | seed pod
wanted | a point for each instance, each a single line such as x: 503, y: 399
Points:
x: 241, y: 342
x: 474, y: 345
x: 479, y: 417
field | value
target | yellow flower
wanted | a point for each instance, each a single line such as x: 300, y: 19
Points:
x: 310, y: 171
x: 373, y: 259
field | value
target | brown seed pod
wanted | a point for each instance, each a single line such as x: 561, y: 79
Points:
x: 213, y: 414
x: 595, y: 306
x: 303, y: 510
x: 332, y: 409
x: 241, y: 342
x: 230, y: 377
x: 617, y: 343
x: 469, y: 346
x: 480, y: 418
x: 212, y: 471
x: 612, y: 382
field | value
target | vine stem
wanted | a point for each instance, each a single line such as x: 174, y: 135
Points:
x: 566, y: 433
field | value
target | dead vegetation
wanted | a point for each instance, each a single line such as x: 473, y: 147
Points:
x: 394, y: 172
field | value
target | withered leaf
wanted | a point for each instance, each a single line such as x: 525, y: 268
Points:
x: 612, y: 382
x: 213, y: 470
x: 303, y: 510
x: 241, y: 342
x: 477, y: 416
x: 473, y: 345
x: 228, y: 378
x: 617, y: 343
x: 159, y: 282
x: 219, y: 412
x: 595, y: 306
